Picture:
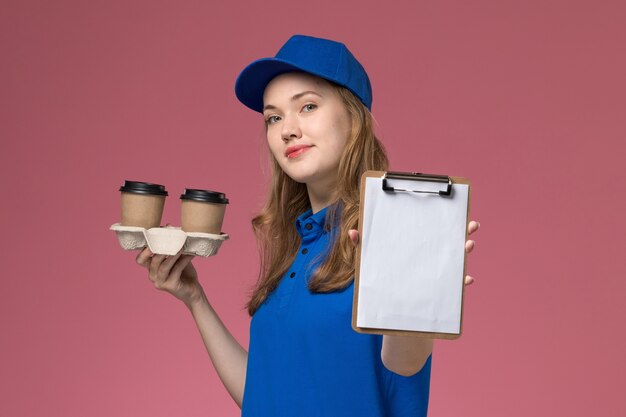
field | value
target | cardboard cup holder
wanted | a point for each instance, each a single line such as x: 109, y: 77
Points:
x: 168, y: 240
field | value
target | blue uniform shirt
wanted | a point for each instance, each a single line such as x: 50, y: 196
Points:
x: 306, y: 360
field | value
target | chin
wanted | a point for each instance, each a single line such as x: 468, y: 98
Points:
x: 308, y: 173
x: 302, y: 179
x: 303, y: 176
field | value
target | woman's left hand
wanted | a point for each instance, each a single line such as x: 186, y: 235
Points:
x: 469, y: 244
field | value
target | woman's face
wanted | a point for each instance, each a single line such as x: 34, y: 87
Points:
x: 307, y: 127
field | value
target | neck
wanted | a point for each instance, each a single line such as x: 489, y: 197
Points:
x: 321, y: 195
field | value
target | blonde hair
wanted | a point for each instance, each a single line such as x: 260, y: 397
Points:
x: 274, y: 228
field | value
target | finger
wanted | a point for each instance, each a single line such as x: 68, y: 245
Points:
x: 144, y: 257
x: 354, y: 236
x: 163, y: 275
x: 182, y: 263
x: 472, y: 227
x: 469, y: 246
x: 165, y: 268
x: 468, y: 280
x: 155, y: 263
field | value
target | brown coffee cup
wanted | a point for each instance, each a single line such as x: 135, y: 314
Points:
x: 202, y: 211
x: 142, y: 204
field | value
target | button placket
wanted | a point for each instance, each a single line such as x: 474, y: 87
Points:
x: 310, y: 232
x: 290, y: 282
x: 297, y: 270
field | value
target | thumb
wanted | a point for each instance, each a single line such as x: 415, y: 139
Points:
x: 354, y: 236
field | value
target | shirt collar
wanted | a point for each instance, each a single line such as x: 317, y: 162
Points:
x: 309, y: 224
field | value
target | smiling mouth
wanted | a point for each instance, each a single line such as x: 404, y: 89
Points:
x: 293, y: 153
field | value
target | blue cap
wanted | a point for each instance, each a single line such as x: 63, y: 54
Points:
x: 321, y: 57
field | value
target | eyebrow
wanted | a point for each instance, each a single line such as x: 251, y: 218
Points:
x: 294, y: 98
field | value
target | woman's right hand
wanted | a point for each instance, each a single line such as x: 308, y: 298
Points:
x: 174, y: 274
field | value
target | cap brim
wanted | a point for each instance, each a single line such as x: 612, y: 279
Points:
x: 251, y: 82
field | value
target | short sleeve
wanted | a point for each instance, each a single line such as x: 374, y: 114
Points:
x: 407, y: 396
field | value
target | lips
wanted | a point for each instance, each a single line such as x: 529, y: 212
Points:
x: 294, y: 151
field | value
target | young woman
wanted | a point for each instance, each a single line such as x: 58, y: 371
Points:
x: 304, y: 358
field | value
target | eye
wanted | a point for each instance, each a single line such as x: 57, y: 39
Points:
x: 271, y: 120
x: 309, y: 107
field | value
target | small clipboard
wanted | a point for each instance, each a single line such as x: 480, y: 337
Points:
x: 411, y: 258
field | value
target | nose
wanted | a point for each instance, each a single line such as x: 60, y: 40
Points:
x: 290, y: 129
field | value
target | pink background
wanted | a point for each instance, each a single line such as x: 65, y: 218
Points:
x: 526, y: 99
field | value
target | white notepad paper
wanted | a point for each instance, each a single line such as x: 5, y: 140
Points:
x: 412, y: 257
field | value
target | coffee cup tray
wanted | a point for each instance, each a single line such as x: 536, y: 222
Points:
x: 168, y: 240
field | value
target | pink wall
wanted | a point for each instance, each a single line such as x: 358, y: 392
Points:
x: 526, y: 99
